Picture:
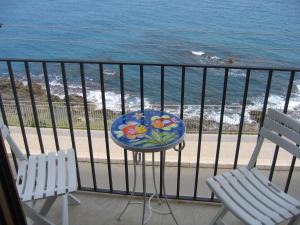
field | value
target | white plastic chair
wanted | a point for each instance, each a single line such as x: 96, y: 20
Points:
x: 249, y: 195
x: 44, y: 176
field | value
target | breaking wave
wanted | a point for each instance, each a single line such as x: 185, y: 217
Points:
x: 211, y: 112
x: 198, y: 53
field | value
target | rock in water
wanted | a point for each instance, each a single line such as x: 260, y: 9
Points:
x: 230, y: 60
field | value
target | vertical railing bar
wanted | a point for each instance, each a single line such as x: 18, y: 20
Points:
x: 237, y: 150
x: 121, y: 68
x: 221, y: 125
x: 285, y: 109
x: 13, y: 84
x: 266, y: 99
x: 33, y: 105
x: 46, y: 77
x: 162, y: 106
x: 105, y: 126
x: 200, y: 130
x: 65, y: 84
x: 162, y: 88
x: 181, y: 117
x: 6, y: 123
x: 291, y: 170
x: 142, y: 86
x: 87, y: 120
x: 123, y: 112
x: 268, y: 87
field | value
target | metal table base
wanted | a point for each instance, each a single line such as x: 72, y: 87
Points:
x: 136, y: 161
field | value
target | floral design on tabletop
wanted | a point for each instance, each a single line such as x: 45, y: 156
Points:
x: 150, y: 129
x: 164, y: 122
x: 131, y: 130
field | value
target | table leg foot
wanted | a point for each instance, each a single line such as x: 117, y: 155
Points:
x: 164, y: 188
x: 154, y: 179
x: 145, y: 219
x: 144, y: 187
x: 133, y: 191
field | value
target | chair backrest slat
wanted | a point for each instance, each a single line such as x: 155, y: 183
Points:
x: 284, y: 119
x: 283, y: 130
x: 282, y: 142
x: 14, y: 147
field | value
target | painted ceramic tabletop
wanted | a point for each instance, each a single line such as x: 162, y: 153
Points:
x: 148, y: 131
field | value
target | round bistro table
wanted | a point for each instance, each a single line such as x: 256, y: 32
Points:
x: 143, y: 132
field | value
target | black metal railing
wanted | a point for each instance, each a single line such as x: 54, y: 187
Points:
x: 7, y: 65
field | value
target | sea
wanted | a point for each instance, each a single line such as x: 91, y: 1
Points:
x: 236, y: 32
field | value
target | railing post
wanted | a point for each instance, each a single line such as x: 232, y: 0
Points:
x: 34, y: 111
x: 266, y: 99
x: 181, y: 117
x: 142, y: 87
x: 285, y: 109
x: 121, y: 69
x: 237, y: 150
x: 87, y: 120
x: 220, y: 125
x: 162, y: 106
x: 105, y: 127
x: 200, y: 131
x: 13, y: 85
x: 67, y: 100
x: 53, y: 121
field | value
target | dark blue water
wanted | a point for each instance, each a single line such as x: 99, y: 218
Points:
x: 251, y: 32
x: 260, y: 33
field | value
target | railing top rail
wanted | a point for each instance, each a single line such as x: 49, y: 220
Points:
x: 87, y: 61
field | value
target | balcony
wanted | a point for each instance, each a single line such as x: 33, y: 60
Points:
x: 105, y: 173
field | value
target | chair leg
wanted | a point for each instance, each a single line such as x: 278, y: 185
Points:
x: 35, y: 216
x: 73, y: 199
x: 31, y: 205
x: 65, y: 211
x: 47, y: 205
x: 295, y: 220
x: 221, y: 213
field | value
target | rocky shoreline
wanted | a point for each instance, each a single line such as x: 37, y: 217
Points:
x: 76, y: 101
x: 40, y: 93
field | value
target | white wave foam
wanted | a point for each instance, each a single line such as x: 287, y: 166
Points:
x: 198, y: 53
x: 113, y: 100
x: 233, y: 119
x: 74, y: 86
x: 276, y: 101
x: 215, y: 58
x: 232, y: 112
x: 110, y: 72
x: 55, y: 83
x: 237, y: 73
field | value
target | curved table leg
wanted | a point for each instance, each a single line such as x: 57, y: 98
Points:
x: 144, y: 186
x: 134, y: 155
x: 154, y: 180
x: 164, y: 188
x: 144, y: 219
x: 154, y: 194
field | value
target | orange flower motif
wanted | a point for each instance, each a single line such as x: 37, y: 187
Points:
x: 158, y: 123
x: 132, y: 130
x: 164, y: 122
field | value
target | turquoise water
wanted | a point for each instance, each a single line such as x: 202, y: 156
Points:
x: 260, y: 33
x: 251, y: 32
